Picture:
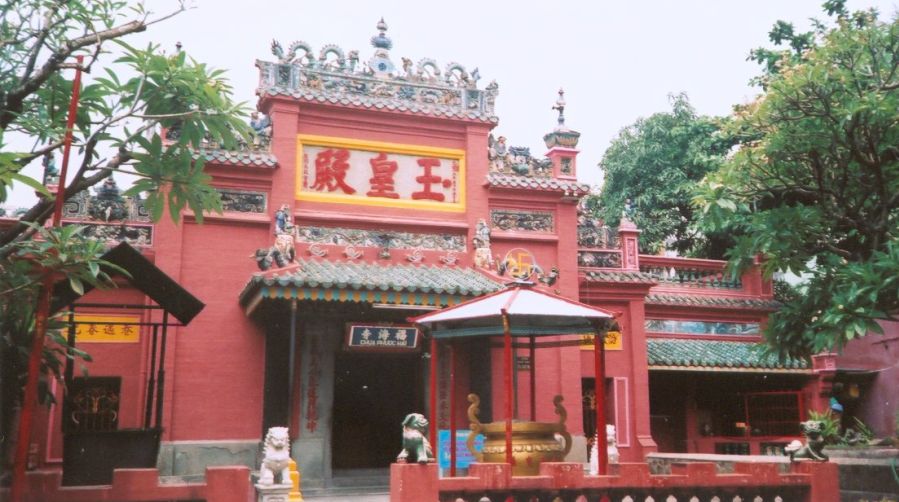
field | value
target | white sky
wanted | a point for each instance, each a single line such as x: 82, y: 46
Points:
x: 616, y: 60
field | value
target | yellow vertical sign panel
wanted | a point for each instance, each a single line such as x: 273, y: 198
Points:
x: 106, y: 329
x: 612, y: 341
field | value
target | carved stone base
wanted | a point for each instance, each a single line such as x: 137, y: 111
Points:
x: 273, y: 493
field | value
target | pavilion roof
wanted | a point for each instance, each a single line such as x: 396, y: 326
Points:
x: 370, y: 282
x: 531, y: 312
x: 715, y: 355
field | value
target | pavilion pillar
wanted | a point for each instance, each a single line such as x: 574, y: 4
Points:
x: 602, y: 447
x: 452, y: 409
x: 433, y: 404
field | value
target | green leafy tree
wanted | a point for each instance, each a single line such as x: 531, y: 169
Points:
x: 655, y: 164
x: 814, y: 187
x: 124, y: 108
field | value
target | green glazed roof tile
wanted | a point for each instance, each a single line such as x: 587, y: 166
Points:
x: 715, y: 354
x: 373, y: 276
x: 711, y: 301
x: 620, y: 276
x: 245, y: 158
x: 547, y: 184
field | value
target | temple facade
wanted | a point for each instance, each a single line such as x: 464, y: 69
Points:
x: 379, y: 189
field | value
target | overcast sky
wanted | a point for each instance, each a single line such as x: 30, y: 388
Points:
x: 617, y: 60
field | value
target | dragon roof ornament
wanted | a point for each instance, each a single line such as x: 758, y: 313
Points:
x: 338, y: 77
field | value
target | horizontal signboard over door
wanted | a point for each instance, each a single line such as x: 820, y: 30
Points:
x: 350, y: 171
x: 375, y: 337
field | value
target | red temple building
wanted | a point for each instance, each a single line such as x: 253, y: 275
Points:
x: 376, y: 191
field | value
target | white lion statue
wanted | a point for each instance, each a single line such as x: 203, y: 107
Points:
x: 612, y: 450
x: 276, y: 457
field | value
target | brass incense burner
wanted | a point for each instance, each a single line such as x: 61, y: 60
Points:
x: 532, y: 442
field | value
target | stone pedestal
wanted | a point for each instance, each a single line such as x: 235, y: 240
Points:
x: 273, y: 493
x: 295, y: 494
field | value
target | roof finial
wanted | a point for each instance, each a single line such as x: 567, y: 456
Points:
x: 381, y: 40
x: 561, y: 135
x: 560, y: 106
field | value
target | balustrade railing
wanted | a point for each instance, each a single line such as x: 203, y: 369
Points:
x: 627, y: 482
x: 689, y: 272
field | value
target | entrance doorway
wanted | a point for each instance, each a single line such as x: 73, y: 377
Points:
x: 373, y: 392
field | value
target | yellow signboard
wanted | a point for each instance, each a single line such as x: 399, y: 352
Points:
x: 613, y: 341
x: 372, y: 173
x: 106, y: 329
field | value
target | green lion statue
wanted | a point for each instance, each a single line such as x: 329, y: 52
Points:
x: 416, y: 447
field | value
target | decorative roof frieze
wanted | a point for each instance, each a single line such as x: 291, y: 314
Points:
x: 338, y: 77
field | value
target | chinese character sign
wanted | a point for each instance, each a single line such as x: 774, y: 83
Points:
x: 107, y: 329
x: 612, y: 341
x: 382, y: 337
x: 367, y: 173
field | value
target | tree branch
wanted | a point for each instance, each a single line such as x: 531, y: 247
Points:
x: 15, y: 99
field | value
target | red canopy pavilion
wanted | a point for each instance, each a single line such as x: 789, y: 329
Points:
x: 519, y: 311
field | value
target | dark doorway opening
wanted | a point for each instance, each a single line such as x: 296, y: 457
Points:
x: 373, y: 392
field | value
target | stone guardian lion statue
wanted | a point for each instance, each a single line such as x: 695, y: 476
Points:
x: 276, y: 457
x: 416, y: 447
x: 813, y: 449
x: 611, y: 448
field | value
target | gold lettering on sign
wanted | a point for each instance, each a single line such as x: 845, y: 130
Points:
x: 106, y: 329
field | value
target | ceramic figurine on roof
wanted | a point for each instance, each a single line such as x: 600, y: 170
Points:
x: 497, y: 153
x: 282, y: 220
x: 515, y: 159
x: 108, y: 204
x: 51, y: 173
x: 483, y: 256
x: 262, y: 129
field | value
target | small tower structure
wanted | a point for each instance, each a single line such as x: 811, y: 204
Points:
x: 562, y: 144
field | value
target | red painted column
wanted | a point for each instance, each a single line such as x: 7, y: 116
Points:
x: 599, y: 372
x: 452, y: 406
x: 433, y: 432
x: 507, y: 377
x: 532, y: 354
x: 43, y: 309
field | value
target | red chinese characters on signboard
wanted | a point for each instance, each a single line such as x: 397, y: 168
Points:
x: 330, y: 170
x: 382, y: 171
x: 427, y: 179
x: 378, y: 174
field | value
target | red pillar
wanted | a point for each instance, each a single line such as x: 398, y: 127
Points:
x: 507, y: 374
x: 452, y: 407
x: 599, y: 372
x: 43, y: 310
x: 433, y: 432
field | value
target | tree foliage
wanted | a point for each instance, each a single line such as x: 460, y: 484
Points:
x: 814, y: 187
x: 124, y: 107
x: 656, y: 163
